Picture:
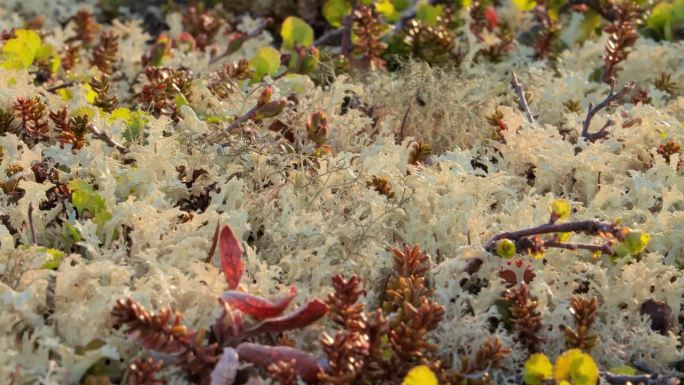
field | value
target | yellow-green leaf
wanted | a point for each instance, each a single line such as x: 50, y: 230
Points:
x: 120, y: 113
x: 335, y: 10
x: 55, y: 260
x: 22, y: 49
x: 387, y: 10
x: 505, y: 248
x: 266, y: 61
x: 296, y: 31
x: 428, y: 13
x: 661, y: 18
x: 576, y: 367
x: 525, y: 5
x: 420, y: 375
x: 44, y: 51
x: 634, y: 242
x: 537, y: 368
x: 623, y: 370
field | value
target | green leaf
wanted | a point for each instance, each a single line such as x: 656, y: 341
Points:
x: 21, y: 50
x: 505, y: 248
x: 135, y: 121
x: 266, y: 61
x: 661, y: 18
x: 86, y: 200
x: 576, y: 367
x: 428, y: 13
x: 181, y: 100
x: 401, y: 5
x: 73, y: 232
x: 537, y: 368
x: 335, y: 10
x: 525, y: 5
x: 296, y: 31
x: 55, y: 260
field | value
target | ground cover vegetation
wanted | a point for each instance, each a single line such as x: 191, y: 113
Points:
x: 341, y: 192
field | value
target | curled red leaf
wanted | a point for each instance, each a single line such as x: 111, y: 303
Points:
x: 258, y: 307
x: 261, y: 355
x: 231, y: 257
x: 303, y: 316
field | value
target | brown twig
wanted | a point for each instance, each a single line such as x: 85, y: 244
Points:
x: 588, y: 227
x: 241, y: 119
x: 604, y: 248
x: 404, y: 120
x: 645, y: 379
x: 30, y: 220
x: 58, y: 87
x: 521, y: 97
x: 100, y: 135
x: 214, y: 242
x: 592, y: 110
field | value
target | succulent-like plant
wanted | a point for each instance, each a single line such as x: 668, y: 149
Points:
x: 206, y: 354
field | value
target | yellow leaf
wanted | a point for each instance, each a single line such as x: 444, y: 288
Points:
x: 560, y: 208
x: 525, y: 5
x: 22, y: 49
x: 386, y: 9
x: 420, y: 375
x: 577, y: 367
x: 537, y: 369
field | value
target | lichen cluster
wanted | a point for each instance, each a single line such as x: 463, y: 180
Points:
x: 463, y: 188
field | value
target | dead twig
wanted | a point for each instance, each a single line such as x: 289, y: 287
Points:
x: 58, y: 87
x: 214, y: 242
x: 529, y: 239
x: 404, y: 120
x: 646, y: 379
x: 100, y: 135
x: 594, y: 109
x: 31, y: 227
x: 521, y: 97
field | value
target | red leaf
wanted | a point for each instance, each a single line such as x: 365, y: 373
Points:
x: 226, y: 369
x: 261, y: 355
x: 304, y: 316
x: 231, y: 254
x: 492, y: 19
x: 258, y: 307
